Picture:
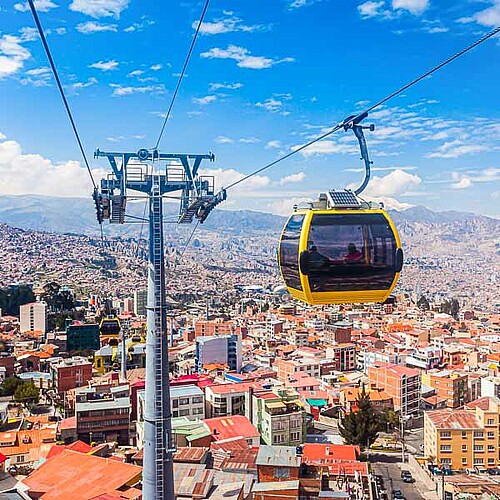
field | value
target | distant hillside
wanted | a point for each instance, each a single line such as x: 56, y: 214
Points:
x: 421, y: 229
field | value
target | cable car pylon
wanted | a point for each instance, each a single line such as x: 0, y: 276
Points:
x: 142, y: 171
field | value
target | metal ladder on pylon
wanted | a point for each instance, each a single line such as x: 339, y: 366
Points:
x: 160, y: 436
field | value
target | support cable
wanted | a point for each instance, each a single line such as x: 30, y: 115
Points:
x: 181, y: 76
x: 348, y: 122
x: 189, y: 239
x: 60, y: 87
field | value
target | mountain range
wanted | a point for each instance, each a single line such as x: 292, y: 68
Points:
x: 77, y: 216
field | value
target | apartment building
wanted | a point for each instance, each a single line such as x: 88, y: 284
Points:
x: 187, y: 401
x: 70, y: 373
x: 286, y: 368
x: 343, y: 357
x: 279, y: 417
x: 228, y: 399
x: 402, y: 384
x: 103, y: 413
x: 449, y: 385
x: 464, y: 438
x: 224, y: 349
x: 33, y: 317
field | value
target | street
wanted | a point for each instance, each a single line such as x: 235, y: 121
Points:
x: 386, y: 465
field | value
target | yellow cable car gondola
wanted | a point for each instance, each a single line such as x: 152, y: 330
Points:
x: 341, y: 249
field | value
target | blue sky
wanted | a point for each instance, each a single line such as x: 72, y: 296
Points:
x: 265, y: 77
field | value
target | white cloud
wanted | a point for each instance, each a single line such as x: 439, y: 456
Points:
x: 393, y: 184
x: 93, y: 27
x: 225, y: 177
x: 326, y: 148
x: 137, y: 72
x: 155, y: 67
x: 273, y: 145
x: 120, y: 91
x: 455, y: 149
x: 204, y: 100
x: 249, y: 140
x: 99, y: 8
x: 370, y: 9
x: 297, y: 4
x: 2, y: 136
x: 222, y: 139
x: 40, y: 5
x: 38, y: 77
x: 285, y: 206
x: 82, y: 85
x: 224, y: 25
x: 413, y: 6
x: 488, y: 17
x: 33, y: 174
x: 298, y: 177
x: 12, y: 55
x: 139, y: 26
x: 226, y: 86
x: 270, y: 104
x: 463, y: 183
x: 243, y: 57
x: 105, y: 65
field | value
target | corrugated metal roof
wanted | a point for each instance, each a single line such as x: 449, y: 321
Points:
x: 279, y: 456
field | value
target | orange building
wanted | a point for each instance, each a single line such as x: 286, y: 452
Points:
x: 449, y: 385
x: 402, y: 384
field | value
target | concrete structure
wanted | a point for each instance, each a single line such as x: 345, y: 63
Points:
x: 449, y: 385
x: 33, y: 317
x: 490, y: 386
x: 82, y: 336
x: 140, y: 302
x: 70, y: 373
x: 187, y: 401
x: 343, y: 356
x: 225, y: 349
x: 103, y: 413
x: 286, y: 368
x: 279, y: 417
x: 464, y: 438
x: 400, y: 383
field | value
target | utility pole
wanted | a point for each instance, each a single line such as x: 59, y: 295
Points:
x: 154, y: 174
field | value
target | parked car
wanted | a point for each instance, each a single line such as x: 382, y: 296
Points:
x: 397, y: 495
x: 407, y: 477
x: 494, y: 471
x: 481, y: 470
x: 404, y: 473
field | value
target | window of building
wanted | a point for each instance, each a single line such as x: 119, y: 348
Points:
x: 184, y: 413
x: 295, y: 436
x: 197, y: 399
x: 295, y: 424
x: 445, y: 447
x: 478, y: 434
x: 491, y: 447
x: 478, y: 447
x: 278, y: 438
x: 278, y: 426
x: 197, y: 411
x: 281, y: 473
x: 175, y: 403
x: 464, y: 447
x: 464, y: 434
x: 20, y: 458
x: 491, y: 460
x: 184, y: 401
x: 446, y: 461
x: 445, y: 434
x: 478, y: 461
x: 175, y: 413
x: 464, y: 460
x: 491, y: 434
x: 490, y: 421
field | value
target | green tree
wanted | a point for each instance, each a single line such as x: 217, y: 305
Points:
x: 361, y: 427
x: 388, y: 421
x: 27, y: 393
x: 423, y: 303
x: 9, y: 386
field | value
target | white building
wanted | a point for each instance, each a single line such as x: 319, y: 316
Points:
x: 33, y: 317
x: 187, y: 401
x: 224, y: 349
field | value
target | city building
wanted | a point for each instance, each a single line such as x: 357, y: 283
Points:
x: 401, y: 383
x: 70, y: 373
x: 103, y: 413
x: 224, y: 349
x: 464, y: 438
x: 343, y: 356
x: 279, y: 417
x: 287, y: 368
x: 33, y: 317
x: 140, y: 302
x: 425, y: 358
x: 449, y: 385
x: 228, y: 399
x: 187, y: 401
x: 82, y: 336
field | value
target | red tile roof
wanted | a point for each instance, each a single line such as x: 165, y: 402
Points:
x: 223, y: 428
x: 322, y: 453
x: 75, y: 475
x: 453, y: 419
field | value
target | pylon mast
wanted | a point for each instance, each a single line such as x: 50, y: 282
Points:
x: 197, y: 200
